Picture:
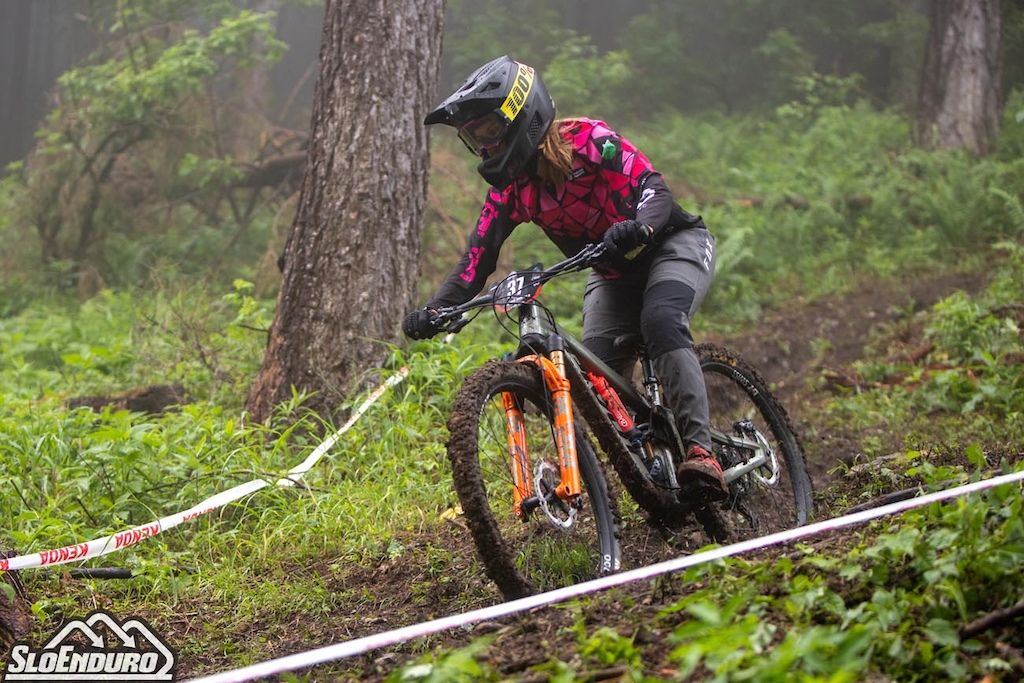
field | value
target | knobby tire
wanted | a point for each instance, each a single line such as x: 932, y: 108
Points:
x: 503, y: 541
x: 736, y: 391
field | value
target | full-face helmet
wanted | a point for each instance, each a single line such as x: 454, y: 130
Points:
x: 502, y: 112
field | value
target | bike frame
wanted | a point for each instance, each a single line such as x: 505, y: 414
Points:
x: 533, y: 325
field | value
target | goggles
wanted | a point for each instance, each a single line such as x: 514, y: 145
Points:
x: 485, y: 134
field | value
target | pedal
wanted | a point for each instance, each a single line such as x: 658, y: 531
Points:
x: 698, y: 492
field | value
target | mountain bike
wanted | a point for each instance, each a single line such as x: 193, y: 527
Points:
x: 528, y: 477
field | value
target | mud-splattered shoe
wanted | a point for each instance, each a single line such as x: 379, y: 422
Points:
x: 701, y: 476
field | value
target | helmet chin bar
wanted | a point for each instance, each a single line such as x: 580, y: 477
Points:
x: 501, y: 170
x: 498, y: 170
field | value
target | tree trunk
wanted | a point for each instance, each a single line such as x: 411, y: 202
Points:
x: 961, y: 96
x: 39, y: 40
x: 351, y: 261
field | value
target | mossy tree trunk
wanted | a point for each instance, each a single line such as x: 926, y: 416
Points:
x: 961, y: 96
x: 351, y: 260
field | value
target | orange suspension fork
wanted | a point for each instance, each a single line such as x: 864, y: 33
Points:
x: 553, y: 370
x: 565, y: 427
x: 516, y: 431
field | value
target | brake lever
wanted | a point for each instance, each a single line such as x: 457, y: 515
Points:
x: 595, y: 253
x: 456, y: 325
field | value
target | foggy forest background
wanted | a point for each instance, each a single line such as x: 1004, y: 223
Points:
x: 201, y: 178
x: 153, y: 155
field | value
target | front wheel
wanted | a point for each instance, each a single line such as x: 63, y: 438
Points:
x: 551, y: 542
x: 774, y: 496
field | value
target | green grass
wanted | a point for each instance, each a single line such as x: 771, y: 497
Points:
x: 289, y: 558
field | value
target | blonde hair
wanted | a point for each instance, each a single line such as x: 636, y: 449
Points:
x: 554, y: 158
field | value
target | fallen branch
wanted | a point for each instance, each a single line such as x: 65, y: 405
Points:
x: 155, y: 399
x: 894, y: 497
x: 992, y: 620
x: 274, y: 171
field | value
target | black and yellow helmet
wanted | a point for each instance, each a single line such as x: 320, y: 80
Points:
x: 502, y: 112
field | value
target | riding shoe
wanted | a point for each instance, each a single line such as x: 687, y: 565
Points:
x: 701, y: 474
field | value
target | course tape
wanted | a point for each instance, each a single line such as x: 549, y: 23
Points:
x: 360, y: 646
x: 123, y: 539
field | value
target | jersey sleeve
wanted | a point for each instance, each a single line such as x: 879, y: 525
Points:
x: 470, y: 274
x: 655, y: 201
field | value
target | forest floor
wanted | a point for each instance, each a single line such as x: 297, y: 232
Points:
x: 803, y: 351
x: 806, y: 351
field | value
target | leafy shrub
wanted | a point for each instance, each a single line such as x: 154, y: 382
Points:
x: 588, y: 83
x: 1011, y: 136
x: 134, y: 137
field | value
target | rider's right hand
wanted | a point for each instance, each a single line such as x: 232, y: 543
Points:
x: 421, y: 324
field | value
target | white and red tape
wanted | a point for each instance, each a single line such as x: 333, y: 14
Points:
x: 359, y: 646
x: 123, y: 539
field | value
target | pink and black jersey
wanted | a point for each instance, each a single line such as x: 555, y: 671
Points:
x: 611, y: 181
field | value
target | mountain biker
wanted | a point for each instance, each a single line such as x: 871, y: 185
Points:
x: 583, y: 183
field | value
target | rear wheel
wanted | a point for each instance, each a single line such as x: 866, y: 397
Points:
x: 774, y: 496
x: 554, y: 543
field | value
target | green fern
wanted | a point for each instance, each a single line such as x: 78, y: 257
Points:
x: 1014, y: 208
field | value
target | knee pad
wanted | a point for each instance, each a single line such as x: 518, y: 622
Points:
x: 665, y: 318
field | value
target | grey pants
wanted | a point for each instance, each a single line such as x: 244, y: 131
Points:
x: 659, y: 304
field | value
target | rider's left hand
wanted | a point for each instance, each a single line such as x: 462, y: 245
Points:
x: 627, y: 238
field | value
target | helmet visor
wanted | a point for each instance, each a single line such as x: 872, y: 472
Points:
x: 485, y: 134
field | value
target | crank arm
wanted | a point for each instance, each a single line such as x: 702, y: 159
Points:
x: 760, y: 459
x: 761, y: 454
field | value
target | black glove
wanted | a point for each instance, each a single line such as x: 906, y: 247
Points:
x: 421, y: 324
x: 627, y: 238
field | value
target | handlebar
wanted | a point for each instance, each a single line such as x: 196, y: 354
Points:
x: 452, y: 318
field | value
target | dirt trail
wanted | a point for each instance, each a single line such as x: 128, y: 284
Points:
x: 791, y: 349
